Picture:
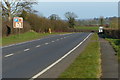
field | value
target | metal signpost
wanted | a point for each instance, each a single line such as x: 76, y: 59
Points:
x: 18, y: 23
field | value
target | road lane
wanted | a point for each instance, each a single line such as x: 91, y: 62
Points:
x: 20, y: 47
x: 28, y: 63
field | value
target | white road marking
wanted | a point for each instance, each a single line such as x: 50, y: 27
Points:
x: 9, y: 55
x: 26, y: 42
x: 50, y: 66
x: 53, y: 41
x: 57, y: 39
x: 38, y: 46
x: 30, y: 41
x: 66, y: 34
x: 26, y: 49
x: 46, y: 43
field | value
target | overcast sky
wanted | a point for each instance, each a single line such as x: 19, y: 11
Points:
x: 84, y: 10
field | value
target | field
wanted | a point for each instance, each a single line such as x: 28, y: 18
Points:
x: 87, y: 27
x: 87, y: 64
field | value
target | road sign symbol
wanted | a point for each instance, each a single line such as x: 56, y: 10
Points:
x: 17, y: 22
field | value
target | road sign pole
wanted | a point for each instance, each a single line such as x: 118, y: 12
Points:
x: 19, y: 32
x: 16, y: 30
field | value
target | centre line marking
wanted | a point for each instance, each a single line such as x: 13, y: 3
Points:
x: 50, y: 66
x: 57, y: 39
x: 46, y: 43
x: 38, y: 46
x: 26, y: 49
x: 53, y: 41
x: 9, y: 55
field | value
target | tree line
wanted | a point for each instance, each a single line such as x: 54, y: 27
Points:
x: 31, y: 20
x: 42, y: 24
x: 107, y: 22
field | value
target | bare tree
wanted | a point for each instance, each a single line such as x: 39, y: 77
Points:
x: 10, y: 8
x: 0, y: 10
x: 71, y: 18
x: 101, y: 20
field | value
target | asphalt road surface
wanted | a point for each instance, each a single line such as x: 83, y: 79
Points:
x: 27, y: 59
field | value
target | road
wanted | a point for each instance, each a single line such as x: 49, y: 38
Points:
x: 28, y: 59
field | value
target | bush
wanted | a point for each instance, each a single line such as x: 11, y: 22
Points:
x: 42, y: 24
x: 36, y: 23
x: 114, y: 33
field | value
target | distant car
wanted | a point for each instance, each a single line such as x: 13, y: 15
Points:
x: 100, y: 29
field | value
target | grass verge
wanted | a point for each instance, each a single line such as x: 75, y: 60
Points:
x: 87, y: 28
x: 24, y: 37
x: 116, y: 45
x: 87, y: 64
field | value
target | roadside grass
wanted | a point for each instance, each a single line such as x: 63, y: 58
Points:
x: 24, y: 37
x: 87, y: 27
x: 0, y: 41
x: 87, y: 64
x: 116, y: 45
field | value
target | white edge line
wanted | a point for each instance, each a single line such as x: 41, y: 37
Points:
x: 44, y: 70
